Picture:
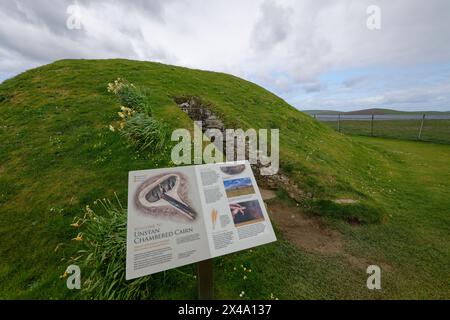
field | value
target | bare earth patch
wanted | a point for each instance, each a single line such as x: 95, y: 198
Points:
x: 309, y: 233
x: 313, y: 235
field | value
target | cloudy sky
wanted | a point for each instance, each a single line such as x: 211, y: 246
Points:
x: 314, y: 54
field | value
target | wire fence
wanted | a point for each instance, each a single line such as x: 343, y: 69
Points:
x: 424, y: 127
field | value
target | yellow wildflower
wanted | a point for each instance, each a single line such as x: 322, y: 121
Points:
x: 79, y: 237
x: 126, y: 110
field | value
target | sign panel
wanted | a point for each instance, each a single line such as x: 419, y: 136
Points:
x: 179, y: 216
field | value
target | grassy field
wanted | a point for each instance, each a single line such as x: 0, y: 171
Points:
x: 412, y: 245
x: 57, y: 155
x: 433, y: 130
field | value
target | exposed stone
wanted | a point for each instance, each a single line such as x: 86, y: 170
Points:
x: 280, y: 180
x: 198, y: 111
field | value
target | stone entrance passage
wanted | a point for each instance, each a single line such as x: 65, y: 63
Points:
x: 198, y: 110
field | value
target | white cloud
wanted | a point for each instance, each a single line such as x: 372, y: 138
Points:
x: 283, y: 45
x: 272, y: 27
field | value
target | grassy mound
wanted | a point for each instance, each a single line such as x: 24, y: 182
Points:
x: 58, y: 155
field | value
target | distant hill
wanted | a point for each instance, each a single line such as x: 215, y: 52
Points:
x: 320, y: 112
x: 375, y: 111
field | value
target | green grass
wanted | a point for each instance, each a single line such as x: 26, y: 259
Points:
x: 58, y: 155
x: 414, y: 242
x: 433, y: 130
x: 412, y: 246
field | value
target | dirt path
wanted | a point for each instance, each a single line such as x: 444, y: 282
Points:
x: 312, y: 234
x: 309, y: 233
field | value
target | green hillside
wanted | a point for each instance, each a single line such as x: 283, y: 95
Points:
x: 57, y: 155
x: 67, y: 101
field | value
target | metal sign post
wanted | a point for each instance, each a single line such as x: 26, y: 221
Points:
x: 205, y: 280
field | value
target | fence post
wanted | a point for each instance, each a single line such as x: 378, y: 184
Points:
x: 421, y: 127
x: 314, y: 115
x: 339, y: 122
x: 371, y: 126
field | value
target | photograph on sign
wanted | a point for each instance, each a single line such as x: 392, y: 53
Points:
x: 238, y: 187
x: 179, y: 216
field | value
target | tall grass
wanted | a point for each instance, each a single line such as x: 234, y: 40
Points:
x: 135, y: 98
x: 105, y: 256
x: 145, y: 133
x: 137, y: 125
x: 104, y: 237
